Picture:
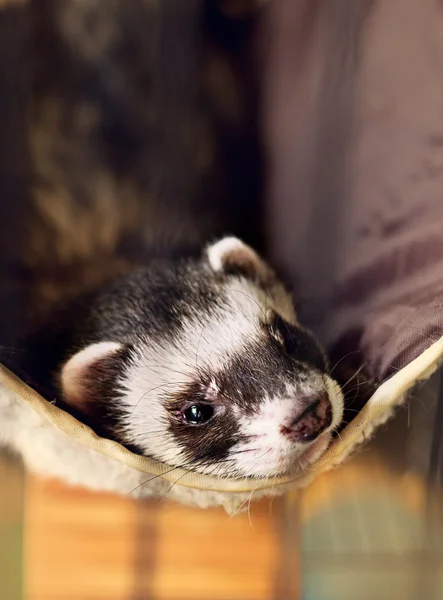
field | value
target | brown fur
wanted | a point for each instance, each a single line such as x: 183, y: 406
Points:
x: 178, y: 96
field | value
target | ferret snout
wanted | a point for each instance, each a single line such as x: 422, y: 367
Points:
x: 314, y: 417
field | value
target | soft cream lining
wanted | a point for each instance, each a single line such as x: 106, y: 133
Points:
x: 379, y: 407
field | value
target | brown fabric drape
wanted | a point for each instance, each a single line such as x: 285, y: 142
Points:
x: 14, y: 167
x: 354, y: 124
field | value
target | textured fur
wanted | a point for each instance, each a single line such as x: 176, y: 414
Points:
x: 50, y: 453
x: 144, y: 142
x: 181, y: 333
x: 143, y: 123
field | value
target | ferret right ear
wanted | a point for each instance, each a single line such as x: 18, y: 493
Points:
x: 88, y: 374
x: 231, y: 255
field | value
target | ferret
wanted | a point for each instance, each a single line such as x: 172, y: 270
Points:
x: 196, y: 362
x: 153, y: 319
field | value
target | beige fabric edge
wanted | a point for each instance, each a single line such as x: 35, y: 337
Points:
x: 381, y: 405
x: 377, y: 410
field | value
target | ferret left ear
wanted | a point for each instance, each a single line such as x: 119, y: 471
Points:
x: 88, y: 374
x: 232, y: 256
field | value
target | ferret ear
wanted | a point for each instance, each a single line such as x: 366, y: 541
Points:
x: 232, y: 256
x: 87, y: 375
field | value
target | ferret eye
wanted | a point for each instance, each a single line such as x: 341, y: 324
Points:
x: 197, y: 414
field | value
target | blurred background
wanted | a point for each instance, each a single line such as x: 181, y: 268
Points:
x: 352, y: 117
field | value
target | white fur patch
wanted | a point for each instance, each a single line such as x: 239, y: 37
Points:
x: 269, y: 452
x: 205, y: 344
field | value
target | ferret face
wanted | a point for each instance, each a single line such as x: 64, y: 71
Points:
x: 204, y: 366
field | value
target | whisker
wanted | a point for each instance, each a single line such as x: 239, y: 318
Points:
x: 342, y: 359
x: 238, y: 509
x: 151, y: 479
x: 170, y: 488
x: 157, y: 387
x: 357, y: 372
x: 249, y: 510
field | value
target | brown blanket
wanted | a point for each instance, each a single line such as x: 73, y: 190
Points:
x: 354, y: 119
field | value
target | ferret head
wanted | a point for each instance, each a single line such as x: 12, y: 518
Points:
x: 203, y: 365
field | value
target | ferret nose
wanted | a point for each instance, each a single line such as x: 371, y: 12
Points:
x: 312, y: 421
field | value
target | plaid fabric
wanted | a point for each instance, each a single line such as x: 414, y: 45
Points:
x: 84, y: 546
x: 370, y: 525
x: 11, y: 529
x: 374, y: 525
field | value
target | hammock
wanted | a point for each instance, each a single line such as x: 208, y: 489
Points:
x: 367, y: 160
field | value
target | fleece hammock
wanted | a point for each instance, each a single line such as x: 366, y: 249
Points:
x: 376, y: 411
x: 354, y: 125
